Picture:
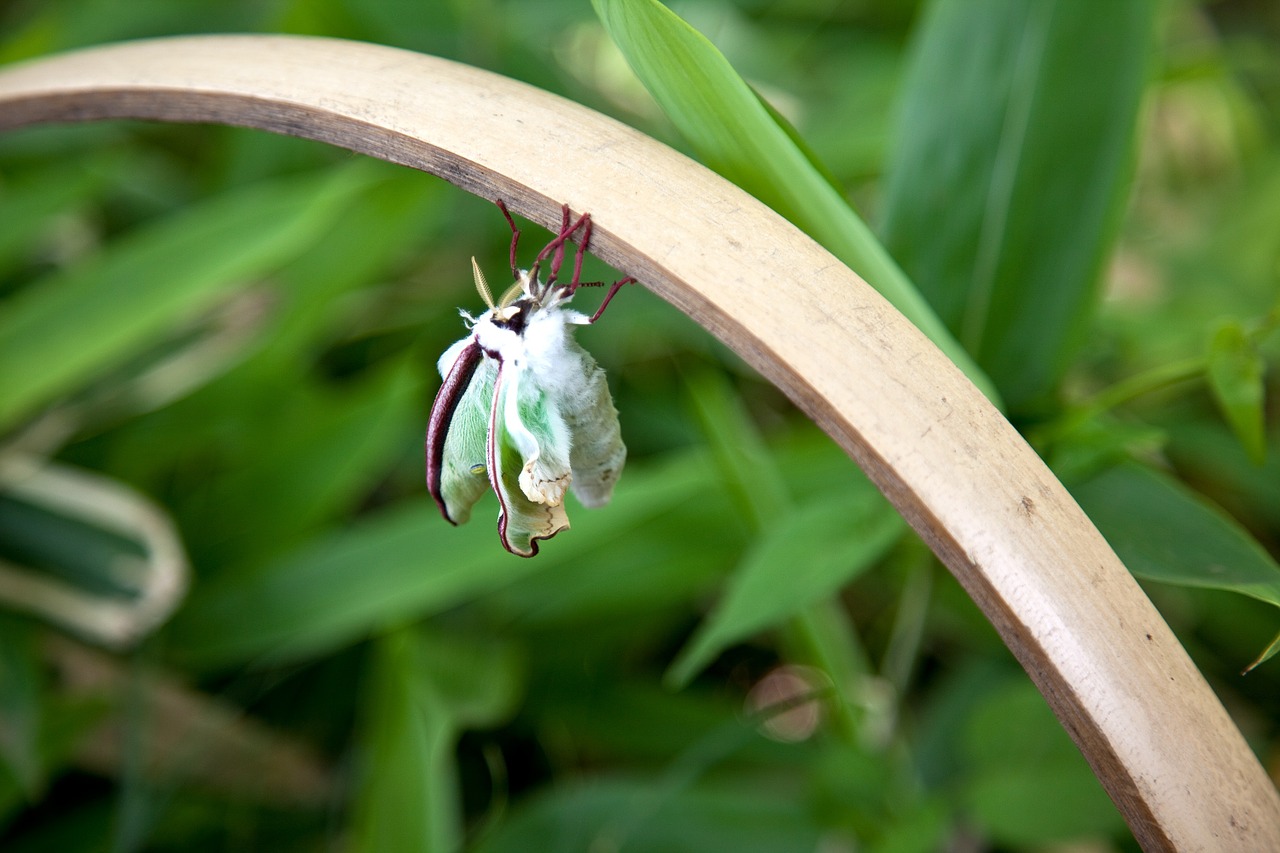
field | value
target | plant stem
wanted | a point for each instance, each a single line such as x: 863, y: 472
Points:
x: 1130, y: 388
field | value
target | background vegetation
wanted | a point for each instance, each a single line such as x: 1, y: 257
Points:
x: 222, y: 343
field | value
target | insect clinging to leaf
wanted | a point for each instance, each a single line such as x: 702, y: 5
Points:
x: 523, y: 408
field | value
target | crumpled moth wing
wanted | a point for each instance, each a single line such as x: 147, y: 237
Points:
x: 521, y: 521
x: 597, y: 453
x: 533, y: 419
x: 457, y: 430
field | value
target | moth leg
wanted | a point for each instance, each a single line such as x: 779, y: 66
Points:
x: 577, y: 281
x: 613, y: 288
x: 557, y: 257
x: 556, y: 246
x: 515, y: 236
x: 577, y: 261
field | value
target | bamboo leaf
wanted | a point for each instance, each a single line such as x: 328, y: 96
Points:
x: 401, y: 564
x: 1014, y: 149
x: 408, y: 797
x: 801, y: 559
x: 1236, y: 371
x: 1267, y: 654
x: 87, y: 319
x: 1165, y: 532
x: 21, y: 707
x: 734, y: 133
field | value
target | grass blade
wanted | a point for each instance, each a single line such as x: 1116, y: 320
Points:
x: 734, y: 133
x: 1012, y: 163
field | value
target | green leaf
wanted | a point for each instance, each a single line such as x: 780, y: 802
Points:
x: 408, y: 796
x: 1165, y: 532
x: 1208, y: 454
x: 1014, y: 149
x: 610, y: 814
x: 806, y: 557
x: 21, y: 701
x: 1236, y: 378
x: 424, y: 690
x: 30, y: 201
x: 478, y: 679
x: 735, y: 134
x: 69, y: 547
x: 1027, y: 783
x: 819, y: 632
x: 320, y: 452
x: 1267, y: 654
x: 749, y: 469
x: 85, y: 320
x: 402, y: 564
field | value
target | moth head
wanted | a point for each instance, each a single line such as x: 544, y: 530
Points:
x: 511, y: 306
x: 506, y: 308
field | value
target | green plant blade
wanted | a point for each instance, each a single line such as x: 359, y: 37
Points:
x: 601, y: 815
x: 752, y: 475
x: 293, y: 480
x: 399, y: 565
x: 1272, y: 649
x: 407, y: 799
x: 804, y: 558
x: 1014, y: 148
x: 1027, y: 783
x: 735, y: 134
x: 90, y: 318
x: 21, y: 707
x: 1165, y: 532
x: 29, y: 201
x: 425, y: 688
x: 1236, y: 371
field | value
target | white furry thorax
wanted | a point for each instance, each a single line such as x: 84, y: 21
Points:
x: 542, y: 339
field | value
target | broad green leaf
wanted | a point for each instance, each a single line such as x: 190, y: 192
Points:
x: 425, y: 689
x: 1027, y: 784
x: 921, y: 828
x: 1207, y: 453
x: 59, y: 731
x: 478, y: 679
x: 1096, y: 444
x: 91, y: 317
x: 402, y: 564
x: 1014, y: 149
x: 28, y: 202
x: 369, y: 242
x: 611, y: 814
x: 607, y: 592
x: 408, y: 795
x: 802, y: 559
x: 342, y: 586
x: 734, y: 133
x: 69, y: 547
x: 21, y: 701
x: 1165, y: 532
x: 752, y: 475
x: 1236, y: 379
x: 321, y: 452
x: 818, y: 631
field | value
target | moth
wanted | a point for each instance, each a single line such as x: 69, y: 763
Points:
x: 523, y: 408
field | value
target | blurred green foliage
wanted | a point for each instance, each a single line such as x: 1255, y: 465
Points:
x: 240, y: 331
